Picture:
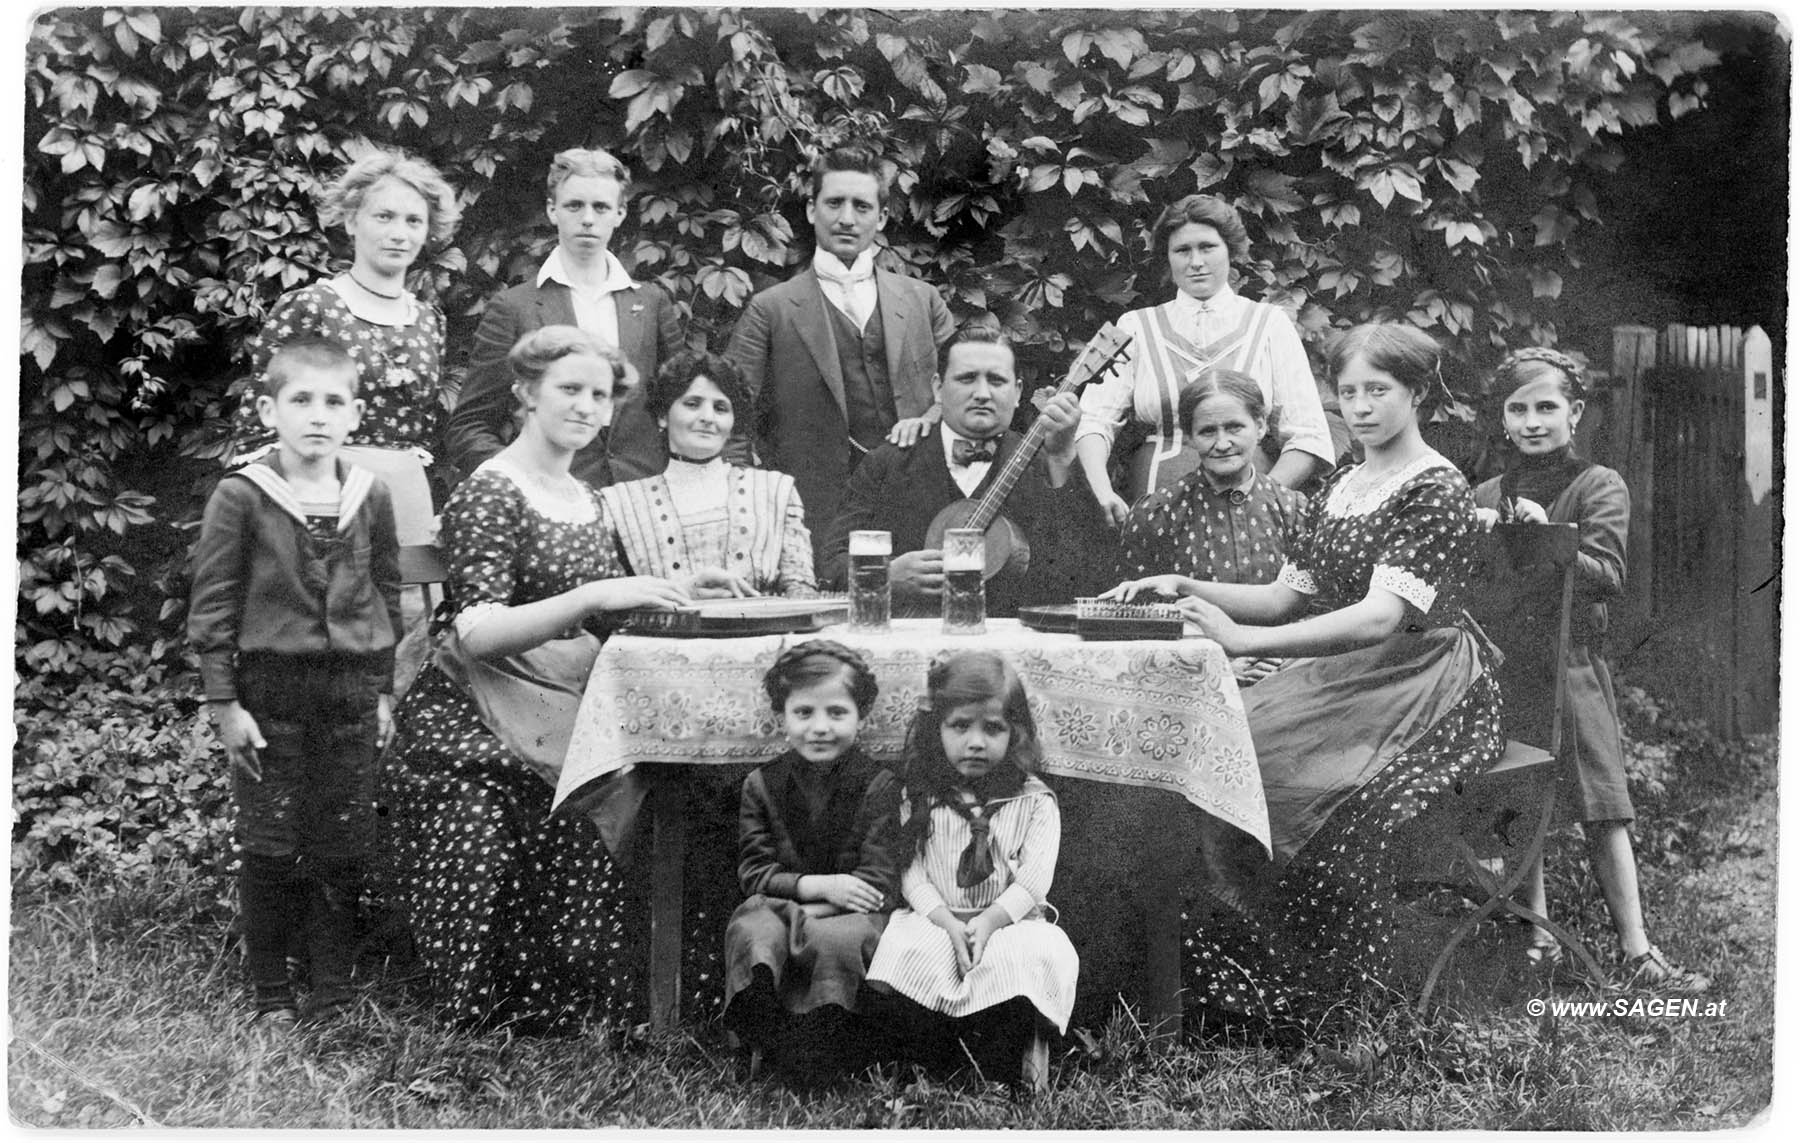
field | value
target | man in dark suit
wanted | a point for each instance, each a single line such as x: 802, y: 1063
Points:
x: 840, y: 357
x: 900, y: 489
x: 581, y: 283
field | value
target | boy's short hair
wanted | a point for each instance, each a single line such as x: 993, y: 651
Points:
x: 311, y: 352
x: 582, y: 162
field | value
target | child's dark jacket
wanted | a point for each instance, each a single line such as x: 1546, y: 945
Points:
x: 264, y: 585
x: 780, y: 839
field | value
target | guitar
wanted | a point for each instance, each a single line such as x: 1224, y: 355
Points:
x: 1007, y: 546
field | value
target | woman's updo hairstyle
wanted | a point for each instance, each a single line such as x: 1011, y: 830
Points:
x: 679, y: 373
x: 339, y: 201
x: 1404, y: 352
x: 1240, y: 387
x: 812, y: 662
x: 1207, y: 210
x: 533, y: 354
x: 1539, y: 363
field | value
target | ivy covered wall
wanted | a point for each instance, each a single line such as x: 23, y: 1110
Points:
x: 1438, y: 168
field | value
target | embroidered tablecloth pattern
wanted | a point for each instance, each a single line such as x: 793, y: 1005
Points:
x: 1165, y: 715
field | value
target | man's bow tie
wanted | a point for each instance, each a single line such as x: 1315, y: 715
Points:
x: 973, y: 452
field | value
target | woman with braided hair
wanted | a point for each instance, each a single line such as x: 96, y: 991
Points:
x: 1542, y: 399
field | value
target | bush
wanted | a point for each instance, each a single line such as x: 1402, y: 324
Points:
x: 115, y: 779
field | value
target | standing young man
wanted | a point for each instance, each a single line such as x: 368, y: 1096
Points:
x: 581, y: 283
x: 840, y: 357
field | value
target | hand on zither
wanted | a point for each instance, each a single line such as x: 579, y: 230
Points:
x: 918, y: 573
x: 1212, y: 623
x: 1168, y: 585
x: 631, y: 591
x: 717, y: 583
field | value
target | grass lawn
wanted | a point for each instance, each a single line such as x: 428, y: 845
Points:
x: 127, y: 1010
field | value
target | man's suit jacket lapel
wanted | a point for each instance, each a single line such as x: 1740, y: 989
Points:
x: 897, y: 313
x: 555, y: 305
x: 814, y: 328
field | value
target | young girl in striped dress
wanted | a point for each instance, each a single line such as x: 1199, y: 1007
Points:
x: 981, y: 831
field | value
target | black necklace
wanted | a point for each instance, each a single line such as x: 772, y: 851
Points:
x: 368, y: 289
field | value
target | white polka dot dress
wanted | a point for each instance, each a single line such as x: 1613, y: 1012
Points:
x: 518, y: 916
x: 1351, y: 746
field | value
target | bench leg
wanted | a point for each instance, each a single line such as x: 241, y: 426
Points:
x: 668, y: 856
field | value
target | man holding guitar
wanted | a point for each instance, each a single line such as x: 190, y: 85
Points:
x: 916, y: 491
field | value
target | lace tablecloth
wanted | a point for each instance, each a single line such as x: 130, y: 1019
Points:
x: 1164, y: 715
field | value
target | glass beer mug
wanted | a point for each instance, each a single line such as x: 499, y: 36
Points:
x: 965, y: 600
x: 871, y: 592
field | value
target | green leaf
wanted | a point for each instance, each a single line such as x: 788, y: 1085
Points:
x: 982, y: 80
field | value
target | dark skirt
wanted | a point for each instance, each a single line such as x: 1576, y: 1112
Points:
x: 1592, y: 783
x: 518, y: 916
x: 1289, y: 941
x: 813, y: 961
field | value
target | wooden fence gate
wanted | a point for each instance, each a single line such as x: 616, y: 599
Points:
x: 1691, y: 428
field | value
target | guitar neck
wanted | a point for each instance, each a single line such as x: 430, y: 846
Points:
x: 992, y: 501
x: 1096, y: 358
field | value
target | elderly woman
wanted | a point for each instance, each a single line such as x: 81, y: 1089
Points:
x: 392, y: 207
x: 1387, y: 699
x: 519, y: 916
x: 1206, y: 325
x: 717, y: 529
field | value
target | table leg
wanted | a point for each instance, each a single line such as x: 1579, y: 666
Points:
x: 668, y: 855
x: 1162, y: 953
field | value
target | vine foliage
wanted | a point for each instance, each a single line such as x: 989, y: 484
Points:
x: 1437, y: 168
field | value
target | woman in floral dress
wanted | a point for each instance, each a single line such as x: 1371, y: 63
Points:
x: 519, y: 917
x: 392, y: 208
x: 1385, y: 702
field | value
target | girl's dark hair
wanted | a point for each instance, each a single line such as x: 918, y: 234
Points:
x: 1240, y: 387
x: 1539, y: 363
x: 1206, y: 210
x: 954, y: 681
x: 814, y: 661
x: 679, y: 373
x: 1405, y: 352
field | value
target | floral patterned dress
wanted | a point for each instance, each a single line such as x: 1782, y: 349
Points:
x: 1350, y: 746
x: 397, y: 371
x: 397, y: 367
x: 519, y: 916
